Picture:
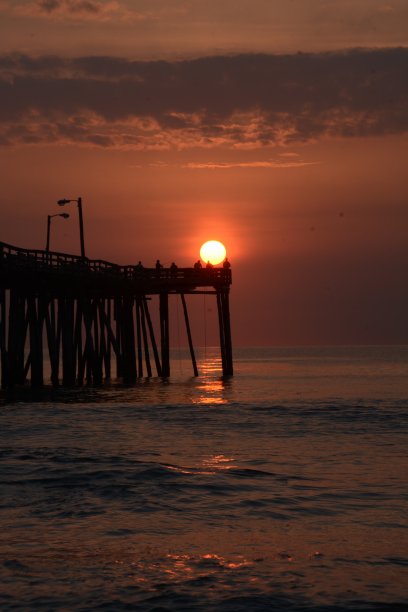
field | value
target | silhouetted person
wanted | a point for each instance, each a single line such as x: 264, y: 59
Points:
x: 209, y: 265
x: 226, y: 263
x: 158, y: 267
x: 198, y: 265
x: 173, y: 269
x: 139, y: 269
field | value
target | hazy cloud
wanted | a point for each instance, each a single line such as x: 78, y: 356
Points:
x: 269, y: 163
x: 84, y: 10
x: 226, y: 165
x: 244, y: 101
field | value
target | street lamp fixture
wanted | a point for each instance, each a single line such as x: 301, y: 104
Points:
x: 81, y: 221
x: 49, y: 217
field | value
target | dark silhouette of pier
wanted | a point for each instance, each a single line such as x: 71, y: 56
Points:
x: 90, y: 313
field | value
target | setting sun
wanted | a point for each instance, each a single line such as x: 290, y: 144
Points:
x: 213, y: 251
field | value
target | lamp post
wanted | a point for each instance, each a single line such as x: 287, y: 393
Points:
x: 49, y: 217
x: 81, y: 221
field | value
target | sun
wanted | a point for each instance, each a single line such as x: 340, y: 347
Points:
x: 213, y: 251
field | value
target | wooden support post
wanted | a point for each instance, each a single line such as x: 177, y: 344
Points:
x: 62, y: 315
x: 164, y: 333
x: 89, y: 348
x: 21, y: 340
x: 152, y: 337
x: 144, y: 332
x: 78, y: 341
x: 68, y: 344
x: 118, y: 315
x: 27, y: 365
x: 36, y: 349
x: 128, y: 341
x: 11, y: 339
x: 16, y: 339
x: 82, y: 342
x: 107, y: 317
x: 139, y: 339
x: 97, y: 361
x: 225, y: 331
x: 60, y: 325
x: 190, y: 341
x: 110, y: 335
x: 103, y: 338
x: 52, y: 341
x: 221, y: 329
x: 229, y: 370
x: 3, y: 346
x: 60, y: 322
x: 88, y: 354
x: 22, y: 372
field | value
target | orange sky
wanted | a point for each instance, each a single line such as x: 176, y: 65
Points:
x: 278, y: 127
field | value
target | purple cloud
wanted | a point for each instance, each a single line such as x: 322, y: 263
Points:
x: 243, y: 101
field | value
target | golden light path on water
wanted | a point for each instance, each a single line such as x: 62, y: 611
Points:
x: 210, y: 386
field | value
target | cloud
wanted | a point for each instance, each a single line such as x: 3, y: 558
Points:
x: 74, y: 10
x: 74, y: 6
x: 226, y: 165
x: 269, y: 163
x: 243, y: 102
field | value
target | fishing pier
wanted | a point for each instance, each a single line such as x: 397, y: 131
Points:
x: 90, y: 314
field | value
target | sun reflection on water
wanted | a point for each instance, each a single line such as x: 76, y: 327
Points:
x: 185, y: 567
x: 211, y: 386
x: 219, y: 462
x: 207, y: 466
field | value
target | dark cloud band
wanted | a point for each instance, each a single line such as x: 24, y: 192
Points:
x: 242, y: 100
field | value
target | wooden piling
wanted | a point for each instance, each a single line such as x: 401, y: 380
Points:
x: 128, y: 341
x: 164, y: 334
x: 152, y: 337
x: 139, y: 339
x: 51, y: 335
x: 190, y: 341
x: 3, y: 346
x: 225, y: 331
x: 145, y: 341
x: 36, y: 349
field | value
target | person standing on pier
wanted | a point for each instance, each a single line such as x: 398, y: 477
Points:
x: 159, y: 267
x: 139, y: 269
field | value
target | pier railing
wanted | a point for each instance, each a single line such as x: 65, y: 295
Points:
x: 16, y: 259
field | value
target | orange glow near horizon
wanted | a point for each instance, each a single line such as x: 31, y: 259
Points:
x: 213, y: 251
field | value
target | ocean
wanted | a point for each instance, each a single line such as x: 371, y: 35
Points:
x: 281, y: 488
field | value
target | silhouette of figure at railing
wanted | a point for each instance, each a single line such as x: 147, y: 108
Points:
x: 173, y: 269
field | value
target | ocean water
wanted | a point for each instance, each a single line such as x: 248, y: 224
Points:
x: 282, y: 488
